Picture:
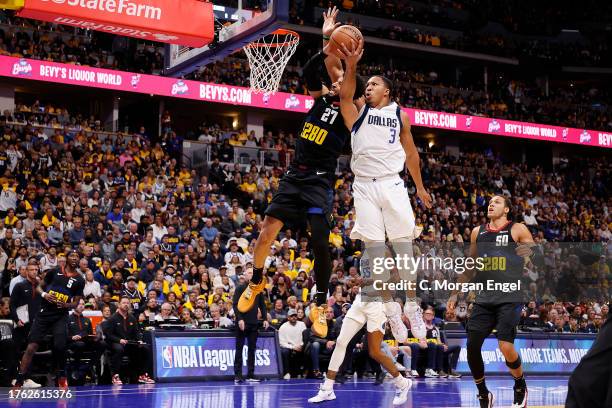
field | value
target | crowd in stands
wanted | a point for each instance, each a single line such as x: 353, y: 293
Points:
x: 520, y: 100
x: 590, y: 50
x: 177, y: 243
x: 507, y: 98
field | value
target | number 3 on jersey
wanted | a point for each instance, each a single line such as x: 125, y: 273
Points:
x: 314, y: 133
x: 393, y: 132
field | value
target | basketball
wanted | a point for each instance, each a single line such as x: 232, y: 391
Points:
x: 346, y: 34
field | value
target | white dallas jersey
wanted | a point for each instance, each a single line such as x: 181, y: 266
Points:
x: 375, y: 141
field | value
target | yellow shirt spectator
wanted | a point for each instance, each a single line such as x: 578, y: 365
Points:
x: 9, y: 222
x: 179, y: 290
x: 335, y: 239
x: 247, y: 187
x: 47, y: 222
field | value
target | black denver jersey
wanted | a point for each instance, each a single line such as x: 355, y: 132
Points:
x: 322, y: 137
x: 501, y: 264
x: 63, y: 287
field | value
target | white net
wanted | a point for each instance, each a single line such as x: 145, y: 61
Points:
x: 268, y: 58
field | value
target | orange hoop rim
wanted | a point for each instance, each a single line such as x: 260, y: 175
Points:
x: 280, y: 31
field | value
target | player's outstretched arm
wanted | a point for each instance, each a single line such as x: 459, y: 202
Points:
x: 332, y: 62
x: 351, y: 57
x: 413, y: 162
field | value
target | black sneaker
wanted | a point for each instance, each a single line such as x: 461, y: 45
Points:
x: 238, y: 380
x: 340, y: 379
x: 380, y: 378
x: 454, y: 374
x: 252, y: 380
x: 520, y: 398
x: 316, y: 374
x: 486, y: 401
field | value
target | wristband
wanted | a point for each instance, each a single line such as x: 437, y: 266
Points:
x: 42, y: 294
x: 326, y: 37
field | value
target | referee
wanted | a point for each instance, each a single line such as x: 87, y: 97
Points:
x: 247, y: 325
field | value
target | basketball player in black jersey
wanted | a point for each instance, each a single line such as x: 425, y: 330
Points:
x: 503, y: 246
x: 306, y: 189
x: 61, y: 291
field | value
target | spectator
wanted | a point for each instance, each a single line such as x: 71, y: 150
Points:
x: 125, y: 339
x: 247, y: 327
x: 291, y: 343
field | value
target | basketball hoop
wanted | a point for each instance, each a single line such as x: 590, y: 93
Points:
x: 268, y: 58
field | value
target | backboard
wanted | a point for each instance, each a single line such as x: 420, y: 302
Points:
x: 234, y: 29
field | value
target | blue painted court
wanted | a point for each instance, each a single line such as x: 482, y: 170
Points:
x: 544, y: 392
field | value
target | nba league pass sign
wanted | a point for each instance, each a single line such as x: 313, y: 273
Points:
x: 199, y: 357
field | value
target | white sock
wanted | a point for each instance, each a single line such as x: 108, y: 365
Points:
x: 328, y: 384
x: 400, y: 381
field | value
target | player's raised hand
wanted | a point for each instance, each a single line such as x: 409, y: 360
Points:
x: 425, y: 198
x: 329, y: 21
x: 353, y: 55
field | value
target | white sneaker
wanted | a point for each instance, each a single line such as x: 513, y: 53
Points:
x: 287, y: 376
x: 414, y: 373
x: 429, y: 373
x: 30, y: 384
x: 393, y: 311
x: 323, y: 395
x: 400, y: 367
x: 415, y: 315
x: 401, y: 394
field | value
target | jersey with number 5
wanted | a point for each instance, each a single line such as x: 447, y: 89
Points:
x: 322, y: 137
x: 63, y: 287
x: 377, y: 151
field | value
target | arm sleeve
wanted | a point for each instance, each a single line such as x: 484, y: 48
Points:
x: 312, y: 71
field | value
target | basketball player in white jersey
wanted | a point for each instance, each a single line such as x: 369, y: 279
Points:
x: 367, y: 310
x: 382, y: 147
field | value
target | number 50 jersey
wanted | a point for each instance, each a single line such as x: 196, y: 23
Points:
x: 322, y: 137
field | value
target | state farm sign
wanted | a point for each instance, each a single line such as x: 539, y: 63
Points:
x: 184, y: 22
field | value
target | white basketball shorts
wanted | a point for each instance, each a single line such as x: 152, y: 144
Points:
x: 370, y: 313
x: 382, y: 205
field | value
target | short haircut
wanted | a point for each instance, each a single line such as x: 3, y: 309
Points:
x: 507, y: 204
x: 387, y: 82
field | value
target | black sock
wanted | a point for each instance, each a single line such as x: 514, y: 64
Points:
x: 482, y: 387
x: 20, y: 378
x: 320, y: 298
x: 519, y: 382
x: 257, y: 275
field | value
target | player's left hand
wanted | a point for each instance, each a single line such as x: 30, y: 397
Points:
x: 351, y: 56
x: 425, y: 198
x: 329, y: 21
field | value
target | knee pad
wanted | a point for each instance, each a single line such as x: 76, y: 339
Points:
x: 515, y: 364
